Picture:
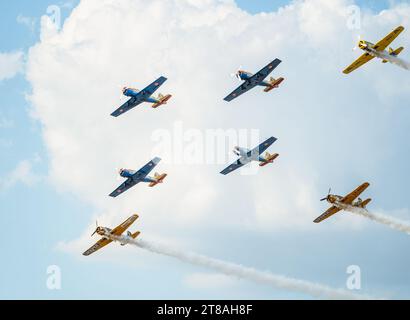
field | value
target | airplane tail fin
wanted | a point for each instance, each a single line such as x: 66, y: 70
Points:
x: 274, y: 83
x: 131, y: 235
x: 268, y: 159
x: 159, y: 178
x: 161, y: 100
x: 395, y: 52
x: 365, y: 203
x: 136, y: 234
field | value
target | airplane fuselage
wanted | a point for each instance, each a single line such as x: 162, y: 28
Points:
x: 369, y: 48
x: 106, y: 234
x: 135, y: 175
x: 239, y: 151
x: 127, y: 173
x: 331, y: 198
x: 133, y: 93
x: 130, y: 92
x: 244, y: 75
x: 243, y: 154
x: 245, y: 157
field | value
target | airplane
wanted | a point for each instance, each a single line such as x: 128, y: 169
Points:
x: 145, y: 95
x: 257, y: 79
x: 115, y: 234
x: 346, y: 200
x: 247, y: 156
x: 376, y: 50
x: 134, y: 177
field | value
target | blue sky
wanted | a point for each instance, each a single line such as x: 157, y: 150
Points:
x: 35, y: 215
x: 257, y: 6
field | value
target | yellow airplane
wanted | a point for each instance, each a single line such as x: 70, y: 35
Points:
x: 376, y: 50
x: 115, y: 234
x: 346, y: 200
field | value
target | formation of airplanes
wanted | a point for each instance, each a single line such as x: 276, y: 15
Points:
x: 245, y: 155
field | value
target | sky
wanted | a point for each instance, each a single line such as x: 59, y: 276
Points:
x: 60, y: 148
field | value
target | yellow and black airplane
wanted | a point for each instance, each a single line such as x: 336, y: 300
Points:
x: 377, y: 50
x: 346, y: 200
x: 115, y: 234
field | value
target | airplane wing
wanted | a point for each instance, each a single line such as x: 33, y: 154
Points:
x: 262, y: 147
x: 264, y: 72
x: 348, y: 199
x: 358, y: 63
x: 124, y: 187
x: 131, y: 103
x: 244, y: 87
x: 100, y: 243
x: 253, y: 81
x: 232, y: 167
x: 148, y: 91
x: 330, y: 212
x: 384, y: 43
x: 145, y: 170
x: 124, y: 226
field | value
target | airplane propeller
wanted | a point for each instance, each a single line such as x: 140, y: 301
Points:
x: 120, y: 90
x: 359, y: 38
x: 96, y: 224
x: 117, y: 174
x: 326, y: 196
x: 236, y: 75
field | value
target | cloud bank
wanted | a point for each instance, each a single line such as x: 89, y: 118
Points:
x: 76, y: 75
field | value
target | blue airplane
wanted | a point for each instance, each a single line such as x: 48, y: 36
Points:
x: 257, y: 79
x: 247, y: 156
x: 137, y: 97
x: 135, y: 177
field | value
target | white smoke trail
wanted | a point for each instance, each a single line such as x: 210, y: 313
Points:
x: 395, y: 60
x: 266, y: 278
x: 386, y: 220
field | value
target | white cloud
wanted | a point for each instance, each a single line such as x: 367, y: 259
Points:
x: 11, y: 63
x: 76, y: 73
x: 22, y: 173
